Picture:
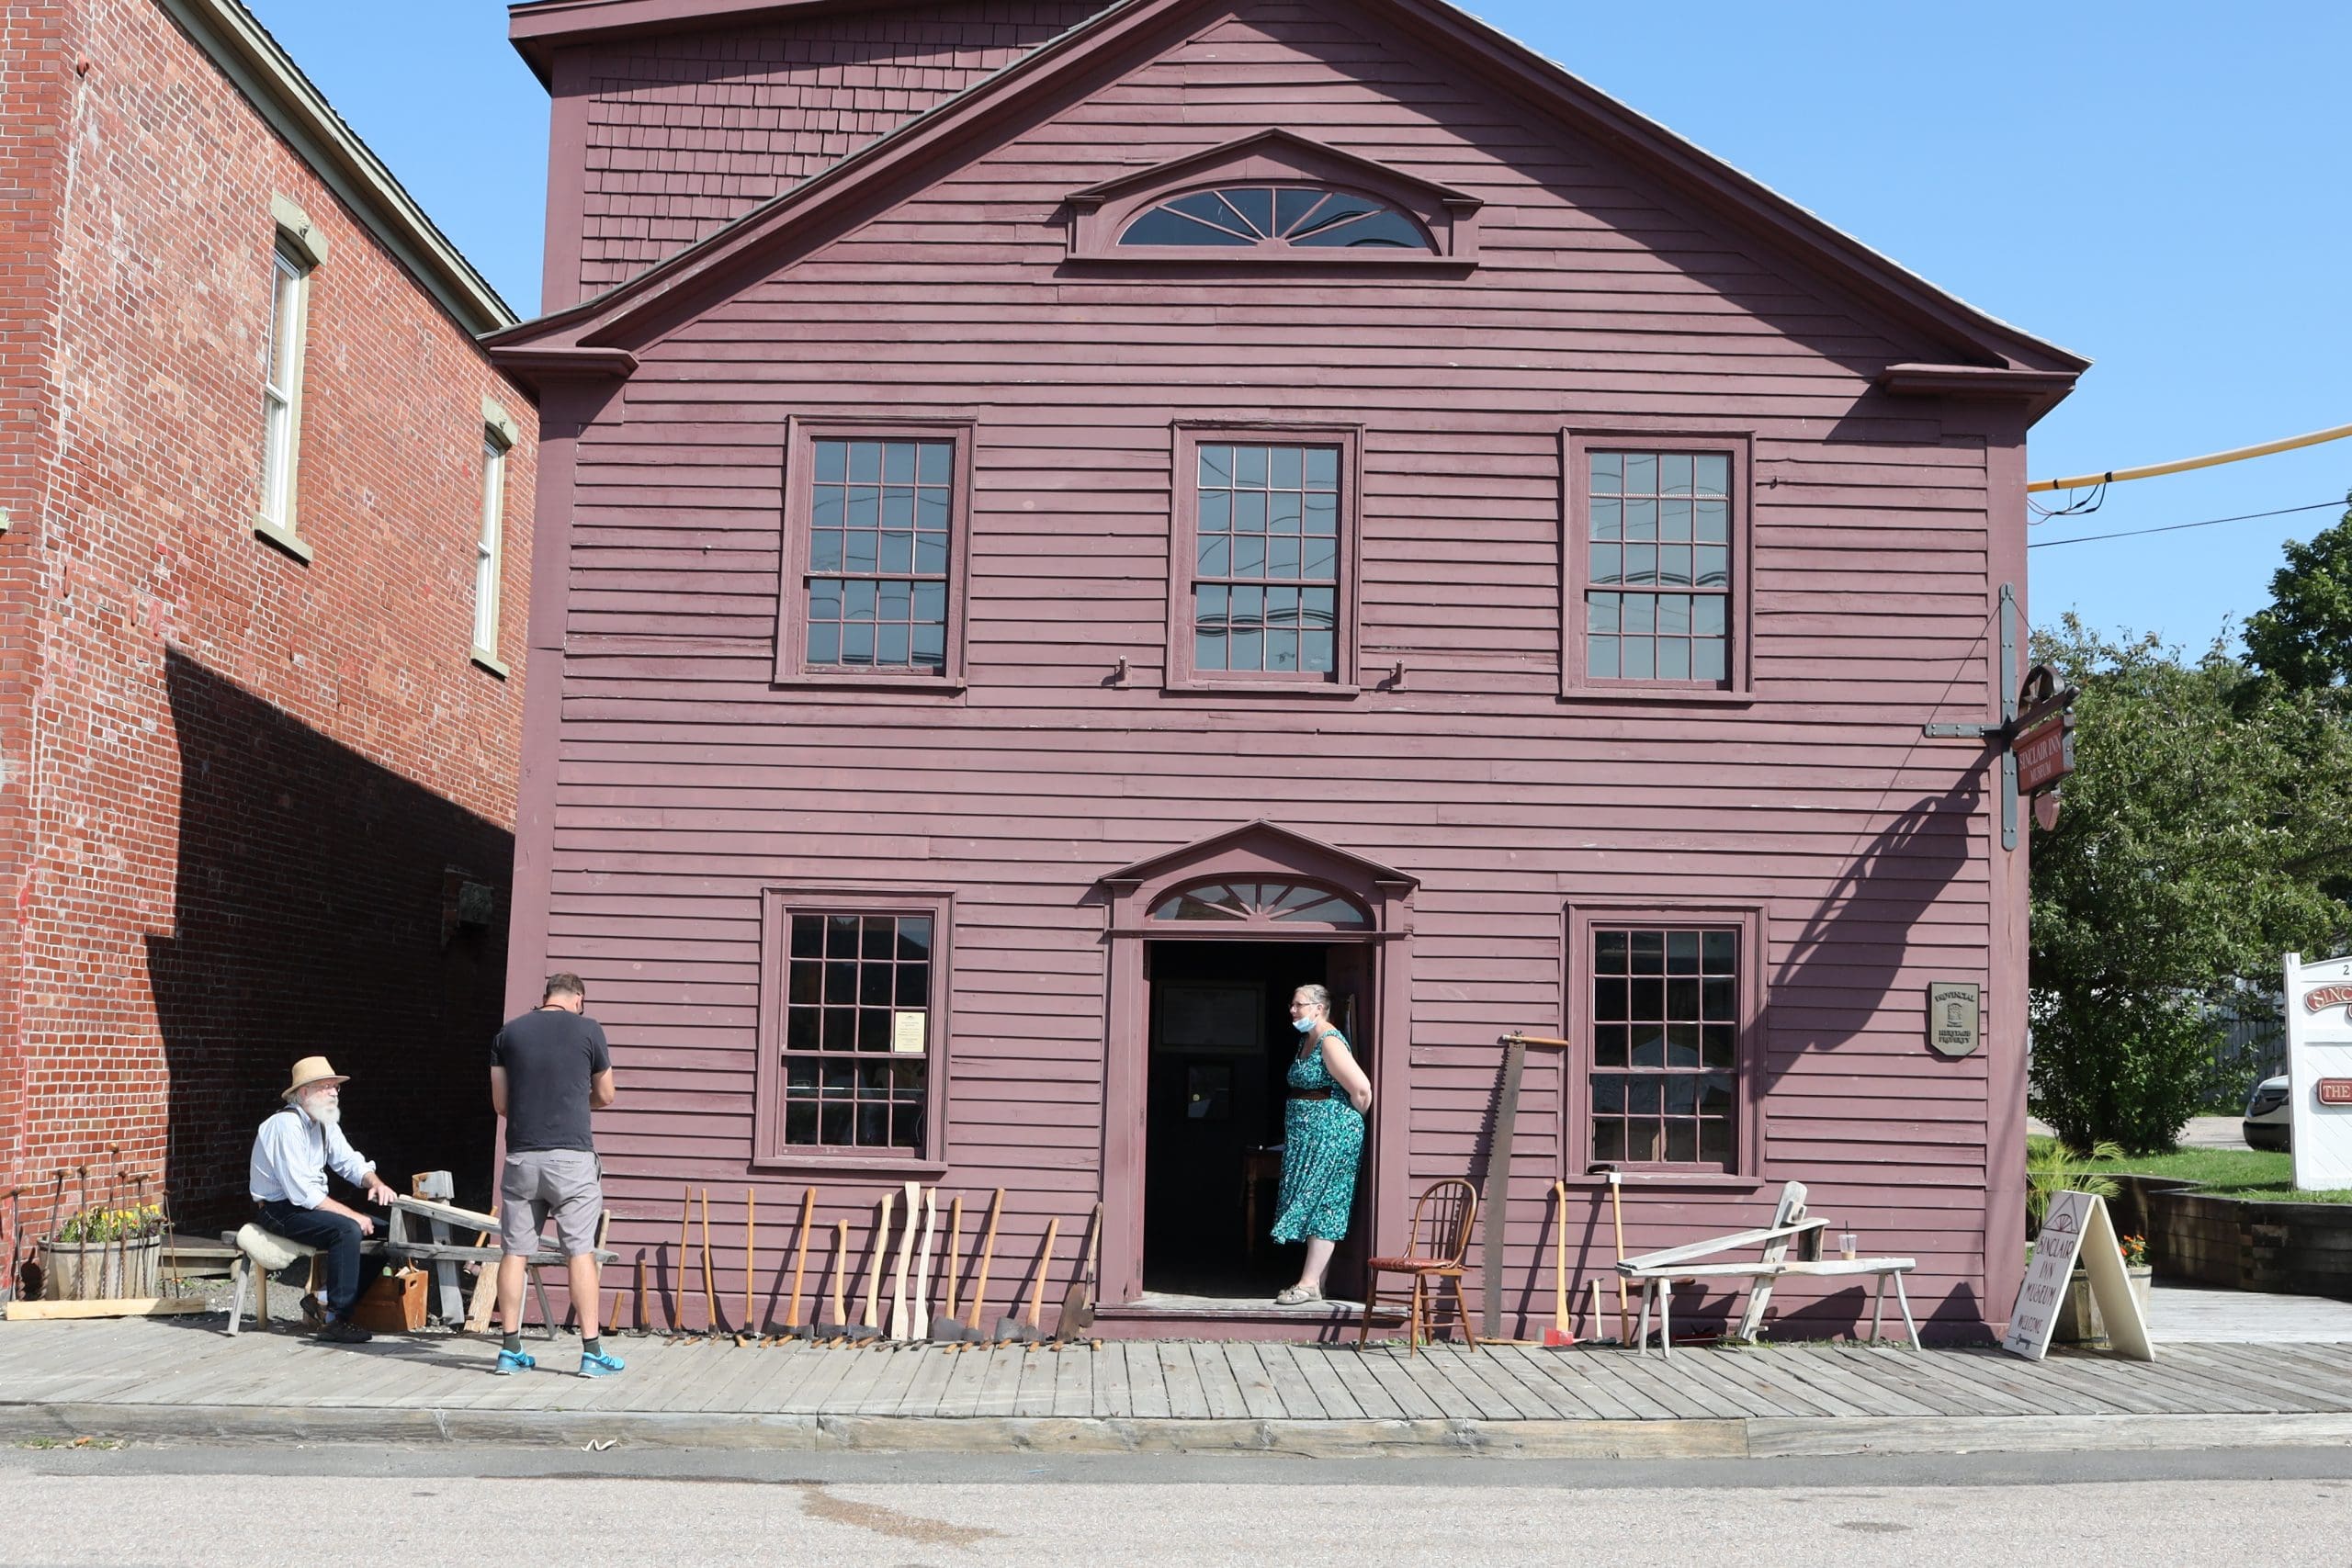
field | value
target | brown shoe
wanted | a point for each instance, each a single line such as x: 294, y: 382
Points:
x: 315, y: 1314
x: 343, y: 1331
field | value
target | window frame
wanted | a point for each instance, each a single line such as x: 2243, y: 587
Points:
x: 1179, y: 674
x: 293, y: 263
x: 777, y: 905
x: 1576, y: 447
x: 489, y: 550
x: 1581, y: 920
x: 802, y: 433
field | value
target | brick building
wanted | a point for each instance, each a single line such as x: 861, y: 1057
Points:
x: 267, y: 511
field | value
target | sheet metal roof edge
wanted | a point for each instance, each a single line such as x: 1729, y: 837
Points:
x: 261, y: 69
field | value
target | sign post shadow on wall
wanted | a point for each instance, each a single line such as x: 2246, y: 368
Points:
x: 2319, y: 1071
x: 2076, y: 1230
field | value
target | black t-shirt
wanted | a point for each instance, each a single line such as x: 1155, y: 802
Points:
x: 549, y: 1055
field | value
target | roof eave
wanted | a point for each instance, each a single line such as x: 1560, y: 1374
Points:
x: 270, y: 80
x: 538, y: 28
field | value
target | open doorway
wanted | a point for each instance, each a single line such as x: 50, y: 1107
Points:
x: 1220, y: 1044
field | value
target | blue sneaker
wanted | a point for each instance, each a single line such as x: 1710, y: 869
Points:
x: 513, y: 1361
x: 597, y: 1365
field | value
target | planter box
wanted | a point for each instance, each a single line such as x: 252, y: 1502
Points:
x: 2239, y: 1244
x: 102, y: 1270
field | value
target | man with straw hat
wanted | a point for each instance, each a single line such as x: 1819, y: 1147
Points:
x: 292, y: 1154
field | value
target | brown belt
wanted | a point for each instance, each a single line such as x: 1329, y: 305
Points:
x: 1310, y: 1094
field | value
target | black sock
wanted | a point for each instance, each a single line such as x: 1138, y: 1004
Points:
x: 512, y: 1342
x: 592, y: 1347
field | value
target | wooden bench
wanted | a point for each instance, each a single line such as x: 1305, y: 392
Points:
x: 1659, y: 1272
x: 444, y: 1254
x: 245, y: 1273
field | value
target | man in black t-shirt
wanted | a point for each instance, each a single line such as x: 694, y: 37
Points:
x: 549, y: 1070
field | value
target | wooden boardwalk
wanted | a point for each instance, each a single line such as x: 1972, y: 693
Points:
x: 182, y: 1376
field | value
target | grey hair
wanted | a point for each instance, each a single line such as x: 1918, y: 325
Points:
x: 1316, y: 995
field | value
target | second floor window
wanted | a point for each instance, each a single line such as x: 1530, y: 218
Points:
x: 1266, y: 579
x: 1659, y: 589
x: 489, y: 546
x: 877, y: 580
x: 282, y: 384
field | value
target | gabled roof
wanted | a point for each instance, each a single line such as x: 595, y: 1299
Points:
x: 538, y: 26
x: 959, y: 127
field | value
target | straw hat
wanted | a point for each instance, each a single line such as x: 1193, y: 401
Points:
x: 311, y: 1070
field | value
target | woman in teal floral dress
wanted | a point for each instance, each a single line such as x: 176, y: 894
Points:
x: 1322, y: 1141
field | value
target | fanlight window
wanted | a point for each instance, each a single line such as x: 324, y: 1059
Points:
x: 1277, y: 217
x: 1287, y: 902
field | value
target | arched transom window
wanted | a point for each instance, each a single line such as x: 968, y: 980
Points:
x: 1283, y: 903
x: 1277, y: 217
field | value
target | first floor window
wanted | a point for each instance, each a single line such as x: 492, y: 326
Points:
x: 1666, y: 1023
x: 860, y: 990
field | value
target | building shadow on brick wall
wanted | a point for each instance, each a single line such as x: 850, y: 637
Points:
x: 324, y: 904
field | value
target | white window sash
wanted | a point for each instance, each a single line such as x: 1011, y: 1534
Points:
x: 285, y: 326
x: 489, y: 546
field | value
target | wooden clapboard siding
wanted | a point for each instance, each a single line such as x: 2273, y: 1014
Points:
x: 686, y: 783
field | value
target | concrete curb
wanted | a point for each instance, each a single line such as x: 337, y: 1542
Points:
x: 1734, y: 1439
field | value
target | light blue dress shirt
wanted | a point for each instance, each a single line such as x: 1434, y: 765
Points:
x: 292, y: 1154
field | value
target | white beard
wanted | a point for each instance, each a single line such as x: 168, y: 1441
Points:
x: 325, y: 1113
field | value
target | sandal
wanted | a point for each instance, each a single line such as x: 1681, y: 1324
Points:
x: 1298, y: 1296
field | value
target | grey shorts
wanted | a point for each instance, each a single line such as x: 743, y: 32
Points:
x: 567, y: 1182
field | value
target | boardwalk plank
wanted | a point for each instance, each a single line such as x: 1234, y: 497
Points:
x: 1218, y: 1386
x: 1112, y: 1397
x: 1186, y: 1399
x: 1342, y: 1382
x: 967, y: 1371
x: 1146, y: 1379
x: 1000, y: 1391
x: 1073, y: 1380
x: 1419, y: 1401
x: 1257, y: 1385
x: 1291, y: 1387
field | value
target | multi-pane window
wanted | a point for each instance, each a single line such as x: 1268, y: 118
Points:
x: 1266, y: 566
x: 1666, y: 1017
x: 858, y: 1032
x: 879, y: 530
x: 289, y: 276
x: 1276, y: 217
x: 489, y: 546
x: 1658, y: 596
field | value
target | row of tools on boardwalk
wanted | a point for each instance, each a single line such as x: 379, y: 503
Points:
x: 99, y: 1245
x: 907, y: 1318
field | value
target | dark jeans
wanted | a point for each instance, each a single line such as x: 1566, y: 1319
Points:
x: 336, y: 1236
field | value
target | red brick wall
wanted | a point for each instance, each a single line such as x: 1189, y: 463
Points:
x: 250, y: 775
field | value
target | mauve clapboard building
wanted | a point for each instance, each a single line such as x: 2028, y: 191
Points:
x: 1061, y: 522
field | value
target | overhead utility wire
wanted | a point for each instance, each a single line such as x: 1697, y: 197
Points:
x: 2236, y: 454
x: 2176, y: 527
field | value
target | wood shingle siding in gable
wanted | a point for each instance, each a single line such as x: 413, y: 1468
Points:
x: 687, y: 783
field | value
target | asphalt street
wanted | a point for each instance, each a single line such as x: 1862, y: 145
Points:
x: 265, y: 1507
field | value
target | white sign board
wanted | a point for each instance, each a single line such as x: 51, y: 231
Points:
x: 2319, y: 1071
x: 2076, y: 1229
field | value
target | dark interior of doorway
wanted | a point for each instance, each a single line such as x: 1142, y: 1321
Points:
x: 1221, y: 1042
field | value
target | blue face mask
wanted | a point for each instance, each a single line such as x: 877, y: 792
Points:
x: 1302, y: 1025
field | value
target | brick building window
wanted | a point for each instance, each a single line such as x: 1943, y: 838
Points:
x: 1664, y: 1007
x: 1657, y: 553
x: 490, y: 548
x: 874, y: 546
x: 853, y: 1029
x: 1264, y: 544
x: 282, y: 385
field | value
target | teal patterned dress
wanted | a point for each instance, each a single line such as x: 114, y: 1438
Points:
x: 1322, y: 1144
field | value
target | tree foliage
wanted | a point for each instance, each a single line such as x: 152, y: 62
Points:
x: 2208, y: 820
x: 2304, y: 638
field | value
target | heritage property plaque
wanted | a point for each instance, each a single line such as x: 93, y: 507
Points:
x: 1955, y: 1017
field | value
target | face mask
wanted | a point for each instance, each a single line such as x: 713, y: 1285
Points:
x: 1302, y: 1025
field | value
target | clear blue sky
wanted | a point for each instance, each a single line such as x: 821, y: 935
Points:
x: 2161, y: 186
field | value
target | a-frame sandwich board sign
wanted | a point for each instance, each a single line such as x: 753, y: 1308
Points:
x: 2076, y: 1229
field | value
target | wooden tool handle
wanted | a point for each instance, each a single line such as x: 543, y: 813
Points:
x: 1560, y: 1256
x: 918, y: 1310
x: 898, y: 1319
x: 955, y: 1250
x: 875, y: 1257
x: 841, y: 1268
x: 800, y: 1258
x: 1044, y: 1265
x: 709, y: 1280
x: 750, y: 1252
x: 678, y: 1280
x: 987, y: 1251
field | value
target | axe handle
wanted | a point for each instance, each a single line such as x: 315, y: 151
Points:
x: 1045, y: 1266
x: 987, y: 1252
x: 800, y: 1258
